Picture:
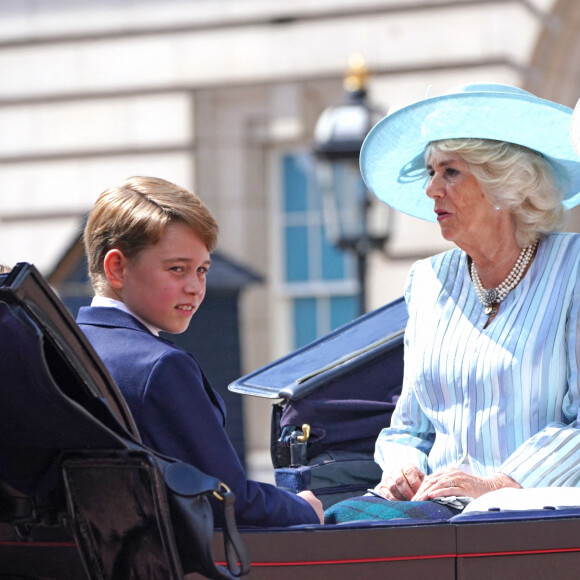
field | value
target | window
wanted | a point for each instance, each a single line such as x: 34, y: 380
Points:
x: 319, y: 278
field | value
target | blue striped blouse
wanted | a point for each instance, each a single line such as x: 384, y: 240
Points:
x: 503, y: 398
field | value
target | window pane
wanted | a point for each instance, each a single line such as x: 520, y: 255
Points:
x: 295, y: 185
x: 296, y: 253
x: 343, y: 309
x: 333, y: 261
x: 305, y: 321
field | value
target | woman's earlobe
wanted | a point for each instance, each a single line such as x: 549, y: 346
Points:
x: 114, y: 267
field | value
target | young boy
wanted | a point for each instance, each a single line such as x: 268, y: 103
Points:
x: 148, y: 245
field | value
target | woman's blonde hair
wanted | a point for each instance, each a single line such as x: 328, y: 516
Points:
x: 134, y: 215
x: 514, y: 178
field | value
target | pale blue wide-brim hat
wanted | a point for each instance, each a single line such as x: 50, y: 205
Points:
x: 575, y: 128
x: 392, y: 156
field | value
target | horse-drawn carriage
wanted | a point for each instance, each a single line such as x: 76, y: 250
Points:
x: 82, y: 498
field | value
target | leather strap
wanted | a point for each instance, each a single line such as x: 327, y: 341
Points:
x: 237, y: 556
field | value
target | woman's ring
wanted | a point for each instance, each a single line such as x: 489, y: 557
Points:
x: 453, y: 483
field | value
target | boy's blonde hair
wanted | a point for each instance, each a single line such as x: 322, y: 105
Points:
x: 134, y: 215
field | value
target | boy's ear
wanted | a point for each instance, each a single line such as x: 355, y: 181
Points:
x: 114, y: 266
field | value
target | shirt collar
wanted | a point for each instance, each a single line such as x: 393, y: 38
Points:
x: 105, y: 302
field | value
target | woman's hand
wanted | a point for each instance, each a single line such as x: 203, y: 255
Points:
x: 400, y: 485
x: 459, y: 483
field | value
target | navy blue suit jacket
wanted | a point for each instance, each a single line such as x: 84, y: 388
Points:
x: 180, y: 415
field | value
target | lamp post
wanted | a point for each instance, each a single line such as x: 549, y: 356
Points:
x: 349, y: 211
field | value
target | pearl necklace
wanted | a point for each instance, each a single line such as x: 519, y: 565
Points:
x: 492, y: 297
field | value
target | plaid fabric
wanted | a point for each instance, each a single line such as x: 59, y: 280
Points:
x: 376, y: 508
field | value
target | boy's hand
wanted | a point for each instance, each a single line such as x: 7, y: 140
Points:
x: 314, y: 502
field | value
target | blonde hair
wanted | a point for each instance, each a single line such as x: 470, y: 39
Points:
x: 134, y: 215
x: 5, y: 269
x: 513, y: 178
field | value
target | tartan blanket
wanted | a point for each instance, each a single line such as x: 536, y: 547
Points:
x: 369, y: 507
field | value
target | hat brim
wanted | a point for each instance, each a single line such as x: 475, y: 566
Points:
x: 392, y: 162
x: 575, y: 128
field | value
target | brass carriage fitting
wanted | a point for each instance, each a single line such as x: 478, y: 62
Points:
x: 305, y: 434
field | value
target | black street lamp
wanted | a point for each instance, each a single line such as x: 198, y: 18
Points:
x: 349, y: 210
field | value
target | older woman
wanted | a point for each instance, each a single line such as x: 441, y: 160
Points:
x: 491, y: 391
